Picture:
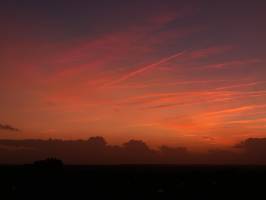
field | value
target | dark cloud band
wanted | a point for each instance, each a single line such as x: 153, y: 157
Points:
x: 8, y: 128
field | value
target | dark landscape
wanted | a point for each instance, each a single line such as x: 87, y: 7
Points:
x: 133, y: 181
x: 166, y: 173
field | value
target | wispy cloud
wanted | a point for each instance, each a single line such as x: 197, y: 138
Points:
x: 234, y: 63
x: 8, y: 128
x: 209, y: 51
x: 242, y: 85
x: 146, y: 68
x: 231, y: 111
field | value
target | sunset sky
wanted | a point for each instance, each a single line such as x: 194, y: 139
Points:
x: 186, y: 73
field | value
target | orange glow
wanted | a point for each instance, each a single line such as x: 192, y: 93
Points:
x: 150, y: 79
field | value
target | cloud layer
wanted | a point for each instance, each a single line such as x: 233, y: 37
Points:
x: 96, y: 150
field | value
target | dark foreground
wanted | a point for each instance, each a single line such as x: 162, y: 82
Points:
x: 133, y: 182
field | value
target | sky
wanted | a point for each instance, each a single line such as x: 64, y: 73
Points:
x: 168, y: 72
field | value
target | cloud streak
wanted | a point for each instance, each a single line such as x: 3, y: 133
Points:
x: 141, y: 70
x: 8, y: 128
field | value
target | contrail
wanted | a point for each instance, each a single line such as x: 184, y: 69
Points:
x: 145, y: 68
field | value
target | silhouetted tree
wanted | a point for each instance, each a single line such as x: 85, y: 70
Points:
x: 254, y: 150
x: 136, y: 146
x: 97, y: 141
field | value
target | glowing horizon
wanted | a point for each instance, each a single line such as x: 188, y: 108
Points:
x: 167, y: 73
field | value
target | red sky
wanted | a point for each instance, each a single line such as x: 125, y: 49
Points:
x: 166, y: 72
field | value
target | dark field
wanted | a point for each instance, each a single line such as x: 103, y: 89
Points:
x: 133, y: 182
